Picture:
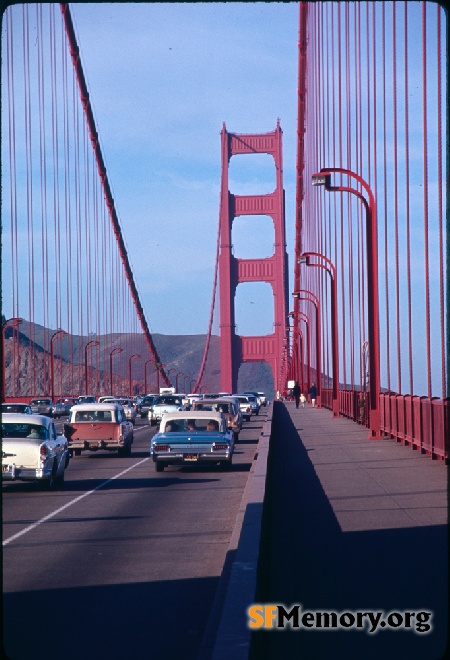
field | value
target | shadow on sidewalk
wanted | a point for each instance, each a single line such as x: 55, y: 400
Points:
x: 306, y: 559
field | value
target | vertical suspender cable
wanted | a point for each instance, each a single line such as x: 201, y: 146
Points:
x: 385, y: 197
x: 444, y: 393
x: 395, y: 166
x: 425, y: 193
x: 74, y: 51
x: 407, y: 201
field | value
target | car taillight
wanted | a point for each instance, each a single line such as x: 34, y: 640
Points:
x: 248, y: 409
x: 43, y: 450
x: 220, y: 447
x: 161, y: 447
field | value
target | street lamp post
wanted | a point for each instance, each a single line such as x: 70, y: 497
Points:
x: 184, y: 383
x: 303, y: 317
x: 90, y: 344
x: 9, y: 323
x: 315, y: 301
x: 169, y: 371
x: 56, y: 335
x: 323, y: 178
x: 331, y: 270
x: 180, y: 373
x: 159, y: 366
x: 145, y: 374
x: 133, y: 357
x: 115, y: 351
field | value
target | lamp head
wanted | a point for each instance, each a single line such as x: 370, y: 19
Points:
x: 321, y: 179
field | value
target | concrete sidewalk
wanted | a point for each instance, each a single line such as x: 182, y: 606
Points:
x: 351, y: 524
x: 335, y: 522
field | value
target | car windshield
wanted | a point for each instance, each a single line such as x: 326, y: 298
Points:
x: 191, y: 425
x: 93, y: 416
x: 41, y: 401
x: 169, y: 400
x: 14, y: 407
x: 218, y: 407
x: 10, y: 430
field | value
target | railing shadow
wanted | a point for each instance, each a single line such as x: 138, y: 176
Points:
x: 306, y: 559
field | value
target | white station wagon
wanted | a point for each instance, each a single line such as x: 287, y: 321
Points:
x: 32, y: 450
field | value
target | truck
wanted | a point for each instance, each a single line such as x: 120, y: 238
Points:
x: 166, y: 390
x: 95, y: 426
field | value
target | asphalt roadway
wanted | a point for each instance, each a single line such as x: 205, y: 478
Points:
x: 335, y: 522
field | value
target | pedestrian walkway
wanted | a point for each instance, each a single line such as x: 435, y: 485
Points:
x: 351, y: 524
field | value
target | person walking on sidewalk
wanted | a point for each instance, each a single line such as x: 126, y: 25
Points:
x: 296, y: 393
x: 302, y: 399
x: 313, y: 394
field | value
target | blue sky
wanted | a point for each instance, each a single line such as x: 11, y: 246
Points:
x: 163, y: 78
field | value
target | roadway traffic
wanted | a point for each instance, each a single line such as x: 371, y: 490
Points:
x: 119, y: 561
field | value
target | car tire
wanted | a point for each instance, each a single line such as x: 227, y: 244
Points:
x: 159, y: 467
x: 226, y: 465
x: 49, y: 484
x: 247, y: 419
x: 77, y: 452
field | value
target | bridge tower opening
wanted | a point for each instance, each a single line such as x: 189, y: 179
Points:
x: 237, y: 349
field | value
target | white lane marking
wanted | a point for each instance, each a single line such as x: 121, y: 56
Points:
x: 77, y: 499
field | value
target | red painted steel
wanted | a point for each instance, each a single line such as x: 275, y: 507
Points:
x: 353, y: 122
x: 236, y: 349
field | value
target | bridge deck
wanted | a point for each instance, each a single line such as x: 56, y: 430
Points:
x: 348, y: 524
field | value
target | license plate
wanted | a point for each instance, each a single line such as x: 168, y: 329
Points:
x: 191, y: 457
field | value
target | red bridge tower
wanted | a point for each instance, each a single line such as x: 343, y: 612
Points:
x: 236, y: 349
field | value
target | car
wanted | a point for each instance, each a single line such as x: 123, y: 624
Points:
x: 33, y: 450
x: 86, y: 398
x: 59, y: 409
x: 255, y: 398
x: 192, y: 438
x: 193, y: 397
x: 23, y: 408
x: 262, y: 398
x: 254, y: 404
x: 146, y: 404
x: 244, y: 404
x: 127, y: 405
x: 107, y: 398
x: 164, y: 404
x: 67, y: 402
x: 95, y: 426
x: 228, y: 406
x: 42, y: 406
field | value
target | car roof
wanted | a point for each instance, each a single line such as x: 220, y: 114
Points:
x: 8, y: 405
x: 222, y: 399
x: 95, y: 406
x: 18, y: 418
x: 193, y: 414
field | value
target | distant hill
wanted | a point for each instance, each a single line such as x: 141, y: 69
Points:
x: 183, y: 352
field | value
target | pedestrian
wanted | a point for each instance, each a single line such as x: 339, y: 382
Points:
x: 302, y: 399
x: 296, y: 393
x: 313, y: 394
